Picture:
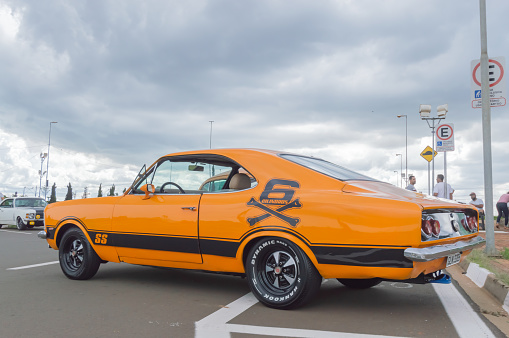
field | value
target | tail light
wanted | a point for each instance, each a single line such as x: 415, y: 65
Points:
x: 430, y: 227
x: 436, y: 228
x: 469, y: 223
x: 472, y: 223
x: 426, y: 228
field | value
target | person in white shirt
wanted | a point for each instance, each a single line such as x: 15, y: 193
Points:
x: 440, y: 190
x: 479, y: 204
x: 411, y: 183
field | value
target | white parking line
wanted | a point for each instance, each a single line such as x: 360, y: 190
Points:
x: 19, y: 232
x: 465, y: 320
x: 32, y: 266
x: 215, y: 325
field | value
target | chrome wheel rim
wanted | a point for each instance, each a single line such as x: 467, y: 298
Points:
x: 279, y: 272
x: 74, y: 255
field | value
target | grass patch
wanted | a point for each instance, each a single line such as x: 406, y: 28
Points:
x: 505, y: 253
x: 479, y: 257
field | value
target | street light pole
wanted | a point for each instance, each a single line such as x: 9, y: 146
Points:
x: 486, y: 135
x: 424, y: 111
x: 406, y: 146
x: 41, y: 173
x: 401, y: 179
x: 47, y: 163
x: 210, y: 142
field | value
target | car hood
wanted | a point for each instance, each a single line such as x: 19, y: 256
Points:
x: 388, y: 191
x: 31, y: 208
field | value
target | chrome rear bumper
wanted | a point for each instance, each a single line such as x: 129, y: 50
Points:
x: 444, y: 250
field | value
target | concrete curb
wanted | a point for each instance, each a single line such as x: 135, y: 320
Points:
x: 487, y: 280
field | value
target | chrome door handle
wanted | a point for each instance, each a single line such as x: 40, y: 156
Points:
x: 189, y: 208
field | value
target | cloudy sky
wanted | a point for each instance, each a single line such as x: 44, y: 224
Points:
x: 129, y: 81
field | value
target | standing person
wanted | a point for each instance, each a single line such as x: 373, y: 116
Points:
x: 440, y: 189
x: 479, y: 204
x: 502, y: 209
x: 411, y: 183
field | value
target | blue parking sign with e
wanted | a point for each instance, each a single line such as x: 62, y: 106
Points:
x: 477, y: 94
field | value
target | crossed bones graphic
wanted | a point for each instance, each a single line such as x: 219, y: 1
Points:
x: 293, y: 221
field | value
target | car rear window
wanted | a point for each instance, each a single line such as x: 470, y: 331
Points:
x: 326, y: 168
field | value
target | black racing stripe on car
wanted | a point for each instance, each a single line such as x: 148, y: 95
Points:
x: 72, y: 219
x: 366, y: 257
x: 219, y: 248
x: 160, y: 243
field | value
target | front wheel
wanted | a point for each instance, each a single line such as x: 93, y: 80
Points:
x: 20, y: 224
x: 280, y: 274
x: 78, y: 259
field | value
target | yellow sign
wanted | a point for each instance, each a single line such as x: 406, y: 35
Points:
x: 427, y: 154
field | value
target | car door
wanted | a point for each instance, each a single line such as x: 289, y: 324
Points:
x: 7, y: 212
x: 164, y: 226
x: 161, y: 228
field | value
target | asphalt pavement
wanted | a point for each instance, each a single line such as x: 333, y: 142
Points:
x: 37, y: 300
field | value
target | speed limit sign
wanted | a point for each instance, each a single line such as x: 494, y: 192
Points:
x: 445, y: 137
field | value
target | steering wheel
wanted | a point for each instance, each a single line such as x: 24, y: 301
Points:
x: 171, y: 183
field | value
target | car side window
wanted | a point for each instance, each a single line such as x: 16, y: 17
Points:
x: 184, y: 176
x: 6, y: 204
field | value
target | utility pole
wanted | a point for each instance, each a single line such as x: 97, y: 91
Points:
x: 486, y: 136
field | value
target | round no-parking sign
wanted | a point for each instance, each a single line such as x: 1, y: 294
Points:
x: 496, y: 78
x: 445, y: 137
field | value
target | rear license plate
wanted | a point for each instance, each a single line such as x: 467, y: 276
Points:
x: 453, y: 259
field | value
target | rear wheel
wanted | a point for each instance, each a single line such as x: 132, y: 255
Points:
x: 360, y: 283
x: 78, y: 259
x: 20, y: 224
x: 280, y: 275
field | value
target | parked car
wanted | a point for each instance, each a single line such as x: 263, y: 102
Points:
x: 24, y: 212
x: 301, y: 220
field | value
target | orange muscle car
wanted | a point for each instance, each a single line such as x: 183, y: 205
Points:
x: 283, y: 220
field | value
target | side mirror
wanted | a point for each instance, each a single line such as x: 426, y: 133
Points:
x: 148, y: 189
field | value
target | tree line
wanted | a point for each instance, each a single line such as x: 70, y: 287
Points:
x: 69, y: 194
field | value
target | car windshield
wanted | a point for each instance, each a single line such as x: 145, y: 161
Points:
x: 327, y: 168
x: 30, y: 203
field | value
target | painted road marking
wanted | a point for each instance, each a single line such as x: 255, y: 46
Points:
x: 33, y: 266
x: 19, y: 232
x: 215, y: 325
x: 465, y: 320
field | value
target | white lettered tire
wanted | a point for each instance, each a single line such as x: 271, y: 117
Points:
x: 280, y: 274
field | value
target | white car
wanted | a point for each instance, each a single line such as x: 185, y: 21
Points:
x: 24, y: 212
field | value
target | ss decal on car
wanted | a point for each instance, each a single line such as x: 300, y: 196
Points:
x: 272, y: 196
x: 101, y: 239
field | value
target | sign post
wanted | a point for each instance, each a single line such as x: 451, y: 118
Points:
x: 428, y: 154
x: 445, y: 143
x: 486, y: 134
x: 496, y: 78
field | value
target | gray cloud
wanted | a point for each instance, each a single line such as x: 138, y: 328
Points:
x: 128, y: 81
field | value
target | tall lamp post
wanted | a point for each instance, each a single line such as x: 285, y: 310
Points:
x: 210, y: 141
x: 41, y: 173
x: 47, y: 163
x: 425, y: 112
x: 401, y: 179
x: 406, y: 146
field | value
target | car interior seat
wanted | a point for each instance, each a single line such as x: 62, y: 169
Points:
x: 240, y: 182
